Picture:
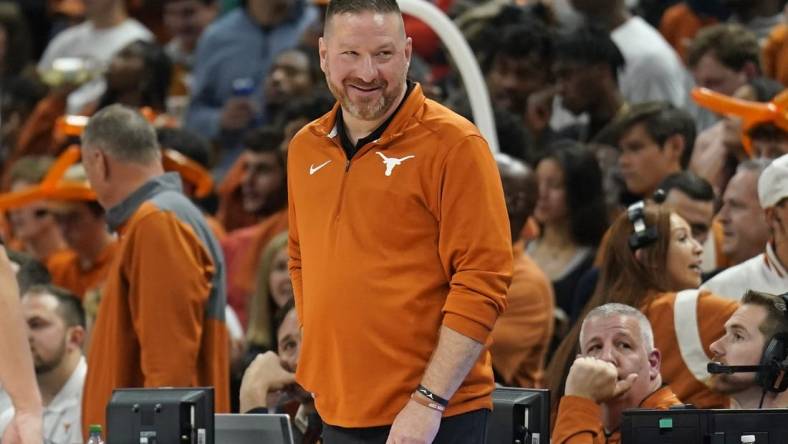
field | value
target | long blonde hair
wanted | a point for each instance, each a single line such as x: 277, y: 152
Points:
x: 259, y: 332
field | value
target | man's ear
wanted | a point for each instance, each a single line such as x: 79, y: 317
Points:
x: 655, y: 363
x: 76, y: 336
x: 322, y: 51
x: 675, y: 145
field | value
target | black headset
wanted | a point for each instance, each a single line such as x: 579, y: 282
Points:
x: 643, y: 235
x: 774, y: 361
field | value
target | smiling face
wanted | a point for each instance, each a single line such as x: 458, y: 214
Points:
x: 365, y: 58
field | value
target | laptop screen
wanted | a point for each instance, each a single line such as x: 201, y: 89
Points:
x: 253, y: 429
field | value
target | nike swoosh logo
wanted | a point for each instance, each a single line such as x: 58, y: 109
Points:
x: 314, y: 169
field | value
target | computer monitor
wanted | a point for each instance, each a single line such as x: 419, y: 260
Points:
x: 765, y: 426
x: 519, y: 416
x: 253, y: 429
x: 640, y: 426
x: 161, y: 415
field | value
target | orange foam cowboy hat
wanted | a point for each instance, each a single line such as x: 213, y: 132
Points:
x: 751, y: 113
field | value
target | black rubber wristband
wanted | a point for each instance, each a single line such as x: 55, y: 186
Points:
x: 432, y: 396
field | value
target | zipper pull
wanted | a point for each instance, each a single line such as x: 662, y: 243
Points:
x: 347, y: 165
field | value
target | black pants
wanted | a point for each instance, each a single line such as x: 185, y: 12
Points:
x: 468, y: 428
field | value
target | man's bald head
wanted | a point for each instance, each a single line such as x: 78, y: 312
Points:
x: 520, y: 189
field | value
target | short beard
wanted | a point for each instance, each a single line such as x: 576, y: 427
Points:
x: 369, y: 110
x: 45, y: 366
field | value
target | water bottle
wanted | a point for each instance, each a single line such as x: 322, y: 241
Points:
x: 94, y: 436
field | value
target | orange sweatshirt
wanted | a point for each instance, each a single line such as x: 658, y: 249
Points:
x: 67, y: 271
x: 410, y: 235
x: 711, y: 313
x: 579, y: 420
x: 522, y: 334
x: 161, y: 318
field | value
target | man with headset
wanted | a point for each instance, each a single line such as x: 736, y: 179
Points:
x: 750, y: 357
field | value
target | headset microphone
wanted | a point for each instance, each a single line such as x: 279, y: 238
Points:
x: 715, y: 368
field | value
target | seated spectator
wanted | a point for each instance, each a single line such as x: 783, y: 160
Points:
x: 33, y: 225
x: 84, y: 226
x: 649, y: 258
x: 754, y: 335
x: 138, y: 75
x: 106, y: 30
x: 273, y: 291
x: 765, y: 272
x: 571, y: 212
x: 744, y: 227
x: 233, y: 56
x: 652, y: 70
x: 655, y: 140
x: 295, y: 74
x: 262, y: 198
x: 253, y: 189
x: 516, y: 66
x: 722, y: 58
x: 56, y: 328
x: 692, y: 198
x: 522, y: 334
x: 270, y: 380
x: 618, y: 369
x: 586, y: 66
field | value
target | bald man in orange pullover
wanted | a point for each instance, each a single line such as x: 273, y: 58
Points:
x: 618, y: 370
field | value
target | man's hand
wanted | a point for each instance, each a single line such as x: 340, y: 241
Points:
x: 264, y: 375
x: 596, y: 380
x: 539, y: 110
x: 415, y: 424
x: 236, y: 114
x: 24, y: 428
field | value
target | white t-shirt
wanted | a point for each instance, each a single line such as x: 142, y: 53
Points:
x: 62, y: 417
x: 653, y: 70
x: 86, y: 41
x: 762, y: 273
